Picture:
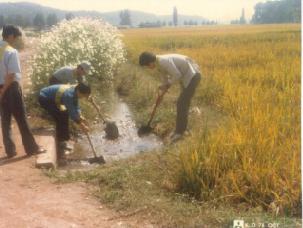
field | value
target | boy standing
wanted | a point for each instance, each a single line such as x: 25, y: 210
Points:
x: 175, y: 68
x: 11, y: 97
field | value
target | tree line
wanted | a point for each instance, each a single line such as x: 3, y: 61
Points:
x: 277, y: 11
x: 283, y: 11
x: 39, y: 21
x: 273, y: 12
x: 125, y: 20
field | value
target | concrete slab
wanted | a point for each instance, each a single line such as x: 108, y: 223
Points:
x: 47, y: 160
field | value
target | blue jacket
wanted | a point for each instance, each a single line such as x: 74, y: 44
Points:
x: 69, y: 99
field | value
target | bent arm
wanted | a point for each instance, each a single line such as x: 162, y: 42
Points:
x: 173, y: 73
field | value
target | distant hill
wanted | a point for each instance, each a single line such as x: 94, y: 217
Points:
x: 138, y: 17
x: 29, y: 10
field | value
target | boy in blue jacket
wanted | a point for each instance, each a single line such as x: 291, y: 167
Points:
x: 61, y: 102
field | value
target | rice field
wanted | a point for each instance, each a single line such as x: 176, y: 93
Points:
x: 244, y: 146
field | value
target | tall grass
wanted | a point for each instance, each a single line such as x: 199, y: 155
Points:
x: 251, y: 76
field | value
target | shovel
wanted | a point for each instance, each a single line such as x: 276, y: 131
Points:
x: 147, y: 129
x: 111, y: 129
x: 95, y: 159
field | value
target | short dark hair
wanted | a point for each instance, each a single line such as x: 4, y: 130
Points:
x: 10, y: 30
x: 83, y: 88
x: 146, y: 58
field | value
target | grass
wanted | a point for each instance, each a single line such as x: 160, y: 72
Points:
x: 132, y: 187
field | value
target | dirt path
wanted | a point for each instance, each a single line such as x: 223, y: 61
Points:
x: 29, y: 199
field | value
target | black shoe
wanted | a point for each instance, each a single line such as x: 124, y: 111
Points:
x: 175, y: 137
x: 62, y: 162
x: 38, y: 151
x: 65, y: 146
x: 11, y: 155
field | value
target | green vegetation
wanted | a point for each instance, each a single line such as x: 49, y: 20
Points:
x: 242, y: 157
x: 139, y: 186
x: 282, y: 11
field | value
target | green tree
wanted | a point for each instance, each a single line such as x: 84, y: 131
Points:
x: 284, y: 11
x: 52, y: 19
x: 69, y: 16
x: 21, y: 21
x: 242, y: 18
x: 39, y: 21
x: 125, y: 17
x: 26, y: 21
x: 10, y: 19
x: 2, y: 21
x: 175, y: 16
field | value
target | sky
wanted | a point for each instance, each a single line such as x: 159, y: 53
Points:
x: 220, y: 10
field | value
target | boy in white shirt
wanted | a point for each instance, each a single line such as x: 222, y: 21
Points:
x: 176, y: 68
x: 11, y: 97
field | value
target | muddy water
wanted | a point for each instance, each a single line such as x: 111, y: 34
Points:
x: 128, y: 143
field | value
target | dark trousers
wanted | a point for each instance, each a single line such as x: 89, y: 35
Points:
x: 13, y: 105
x: 60, y: 118
x: 183, y: 104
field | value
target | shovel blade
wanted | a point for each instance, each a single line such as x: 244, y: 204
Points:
x: 97, y: 160
x: 144, y: 130
x: 111, y: 130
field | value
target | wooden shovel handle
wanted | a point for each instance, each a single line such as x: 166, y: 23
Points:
x: 158, y: 101
x: 92, y: 101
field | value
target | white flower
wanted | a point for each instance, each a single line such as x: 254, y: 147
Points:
x: 70, y: 42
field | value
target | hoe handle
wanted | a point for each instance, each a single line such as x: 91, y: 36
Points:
x: 91, y: 144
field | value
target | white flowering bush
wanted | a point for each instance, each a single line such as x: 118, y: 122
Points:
x: 71, y: 42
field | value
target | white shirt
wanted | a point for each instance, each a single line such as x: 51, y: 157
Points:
x: 178, y: 68
x: 9, y: 63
